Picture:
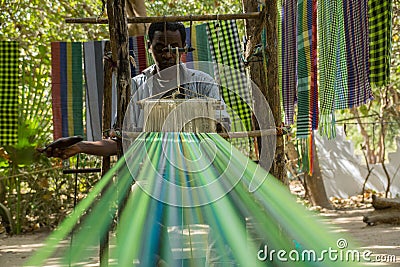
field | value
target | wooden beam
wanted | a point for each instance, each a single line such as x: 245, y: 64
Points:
x: 255, y: 133
x: 250, y: 15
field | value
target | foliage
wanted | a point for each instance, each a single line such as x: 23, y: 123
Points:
x: 191, y: 7
x: 35, y: 24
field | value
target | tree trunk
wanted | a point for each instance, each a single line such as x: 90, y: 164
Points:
x: 119, y: 40
x: 267, y: 78
x: 315, y: 185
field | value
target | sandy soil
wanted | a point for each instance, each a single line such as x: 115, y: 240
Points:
x: 383, y: 239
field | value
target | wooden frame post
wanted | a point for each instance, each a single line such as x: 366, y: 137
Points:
x: 267, y: 78
x: 119, y: 41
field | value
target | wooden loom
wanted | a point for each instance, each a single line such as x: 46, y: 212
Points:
x: 118, y: 28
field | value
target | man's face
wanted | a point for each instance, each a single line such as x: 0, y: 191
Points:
x: 161, y: 40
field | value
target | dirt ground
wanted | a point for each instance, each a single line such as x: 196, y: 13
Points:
x: 382, y: 239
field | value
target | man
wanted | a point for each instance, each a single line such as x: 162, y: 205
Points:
x: 165, y: 40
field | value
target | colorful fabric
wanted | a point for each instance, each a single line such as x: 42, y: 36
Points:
x: 332, y: 63
x: 137, y: 50
x: 67, y: 89
x: 94, y: 80
x: 314, y: 69
x: 380, y: 40
x: 279, y: 51
x: 9, y: 83
x: 289, y: 58
x: 357, y: 53
x: 225, y: 50
x: 195, y: 38
x: 304, y: 67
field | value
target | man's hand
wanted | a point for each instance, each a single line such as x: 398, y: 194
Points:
x: 63, y: 147
x: 62, y: 153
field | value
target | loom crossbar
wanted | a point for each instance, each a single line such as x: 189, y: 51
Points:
x: 249, y: 15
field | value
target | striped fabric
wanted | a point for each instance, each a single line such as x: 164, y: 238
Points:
x: 94, y: 80
x: 357, y: 53
x: 225, y: 49
x: 137, y: 50
x: 196, y: 38
x: 380, y: 39
x: 304, y: 67
x: 9, y: 83
x: 314, y: 69
x: 279, y: 51
x: 289, y: 56
x: 67, y: 89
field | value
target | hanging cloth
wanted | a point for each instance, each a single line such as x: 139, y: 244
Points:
x: 332, y: 63
x: 9, y: 83
x: 137, y: 52
x: 67, y: 89
x: 306, y: 74
x: 357, y: 54
x: 195, y: 37
x: 225, y: 51
x: 94, y: 80
x: 289, y: 58
x: 380, y: 40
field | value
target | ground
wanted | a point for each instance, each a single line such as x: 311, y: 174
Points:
x: 381, y: 239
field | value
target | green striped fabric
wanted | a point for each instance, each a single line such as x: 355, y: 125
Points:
x: 9, y: 83
x: 203, y: 48
x: 380, y: 37
x: 304, y: 67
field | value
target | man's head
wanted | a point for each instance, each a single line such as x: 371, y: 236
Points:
x: 163, y: 38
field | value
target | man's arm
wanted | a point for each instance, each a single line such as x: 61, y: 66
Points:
x: 105, y: 147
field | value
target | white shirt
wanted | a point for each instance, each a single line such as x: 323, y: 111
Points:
x: 195, y: 84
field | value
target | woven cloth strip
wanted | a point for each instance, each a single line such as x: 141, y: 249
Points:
x: 289, y: 58
x: 94, y: 80
x: 190, y: 40
x: 9, y: 86
x: 225, y: 50
x: 357, y: 53
x: 332, y: 67
x: 380, y: 39
x: 304, y: 67
x: 196, y: 38
x: 67, y: 89
x: 137, y: 50
x: 314, y: 69
x: 279, y: 51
